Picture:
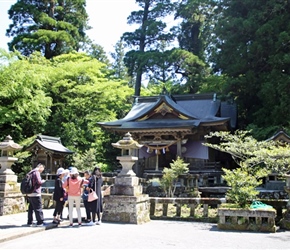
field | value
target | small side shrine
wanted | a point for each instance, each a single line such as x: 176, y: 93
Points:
x: 169, y: 126
x: 280, y: 136
x: 49, y: 151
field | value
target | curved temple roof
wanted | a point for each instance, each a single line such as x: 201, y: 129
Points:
x: 186, y: 111
x: 50, y: 143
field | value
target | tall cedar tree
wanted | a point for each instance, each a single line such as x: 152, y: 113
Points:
x: 52, y: 27
x: 195, y: 29
x: 253, y: 49
x: 120, y: 70
x: 145, y: 39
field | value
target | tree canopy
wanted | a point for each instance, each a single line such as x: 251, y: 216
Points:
x: 145, y: 39
x: 252, y: 49
x: 63, y: 97
x: 51, y: 27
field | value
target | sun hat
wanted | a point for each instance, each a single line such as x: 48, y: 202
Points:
x: 74, y: 171
x: 60, y: 171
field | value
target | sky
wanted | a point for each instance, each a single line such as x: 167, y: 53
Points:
x: 108, y: 19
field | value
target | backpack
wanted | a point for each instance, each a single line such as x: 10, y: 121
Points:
x: 26, y: 186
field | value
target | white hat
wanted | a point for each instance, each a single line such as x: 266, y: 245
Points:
x: 74, y: 171
x: 60, y: 171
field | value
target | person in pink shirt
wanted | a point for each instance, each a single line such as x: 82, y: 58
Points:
x: 74, y: 186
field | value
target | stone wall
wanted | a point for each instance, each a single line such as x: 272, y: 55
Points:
x: 12, y: 203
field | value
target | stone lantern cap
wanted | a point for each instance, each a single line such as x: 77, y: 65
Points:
x: 9, y: 145
x: 127, y: 143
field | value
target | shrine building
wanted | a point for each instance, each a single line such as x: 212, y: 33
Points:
x: 171, y: 126
x: 49, y: 151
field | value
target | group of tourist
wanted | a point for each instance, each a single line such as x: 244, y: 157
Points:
x: 70, y: 188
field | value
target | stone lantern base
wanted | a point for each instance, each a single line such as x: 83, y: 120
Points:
x: 126, y: 209
x: 11, y: 199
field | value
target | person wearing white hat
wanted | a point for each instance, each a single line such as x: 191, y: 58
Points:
x: 58, y: 196
x: 74, y: 184
x: 66, y: 174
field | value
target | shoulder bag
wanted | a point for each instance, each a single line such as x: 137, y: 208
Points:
x: 92, y: 194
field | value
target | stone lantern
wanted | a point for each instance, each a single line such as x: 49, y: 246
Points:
x: 127, y: 160
x: 7, y: 147
x: 126, y: 203
x: 11, y: 199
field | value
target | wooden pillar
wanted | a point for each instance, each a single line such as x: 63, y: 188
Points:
x: 156, y: 163
x: 46, y: 161
x: 178, y: 153
x: 51, y: 163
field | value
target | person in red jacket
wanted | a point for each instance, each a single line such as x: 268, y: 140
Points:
x: 74, y: 186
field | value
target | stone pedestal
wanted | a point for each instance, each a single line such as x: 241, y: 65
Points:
x: 11, y: 199
x: 126, y: 203
x: 126, y: 209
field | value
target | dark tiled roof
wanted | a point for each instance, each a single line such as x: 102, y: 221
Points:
x: 281, y: 135
x: 196, y: 108
x: 50, y: 143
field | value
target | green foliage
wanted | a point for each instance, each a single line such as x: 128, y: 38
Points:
x: 96, y: 51
x: 24, y: 103
x: 243, y: 186
x: 64, y: 97
x: 251, y: 50
x: 88, y: 161
x: 195, y: 32
x: 51, y: 27
x: 118, y: 65
x: 145, y: 40
x: 85, y: 161
x: 84, y: 94
x: 170, y: 176
x: 256, y: 160
x: 263, y: 133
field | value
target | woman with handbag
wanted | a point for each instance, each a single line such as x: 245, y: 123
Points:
x: 74, y: 184
x: 95, y: 185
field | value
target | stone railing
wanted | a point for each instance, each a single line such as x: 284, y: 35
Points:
x: 173, y: 208
x: 261, y: 220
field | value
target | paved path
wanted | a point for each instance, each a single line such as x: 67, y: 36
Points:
x: 152, y: 235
